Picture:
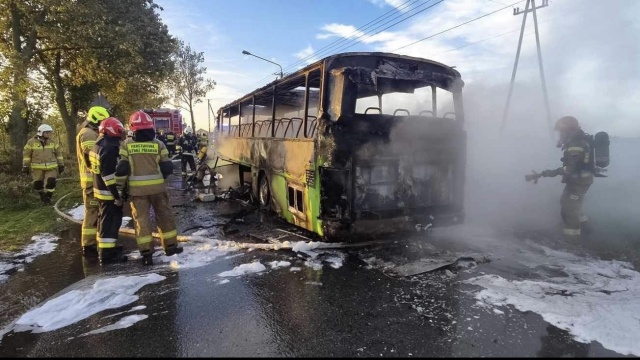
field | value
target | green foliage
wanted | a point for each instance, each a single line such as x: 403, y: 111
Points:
x: 188, y: 84
x: 77, y: 48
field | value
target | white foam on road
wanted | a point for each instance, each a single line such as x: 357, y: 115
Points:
x: 596, y: 301
x: 279, y: 264
x: 76, y: 305
x: 195, y: 255
x: 41, y: 244
x: 123, y: 323
x: 78, y: 214
x: 253, y: 267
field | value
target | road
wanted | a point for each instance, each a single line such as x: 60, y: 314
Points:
x: 509, y: 293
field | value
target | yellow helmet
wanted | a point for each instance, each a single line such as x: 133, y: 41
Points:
x: 97, y: 114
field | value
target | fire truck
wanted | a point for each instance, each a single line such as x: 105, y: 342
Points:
x: 166, y: 119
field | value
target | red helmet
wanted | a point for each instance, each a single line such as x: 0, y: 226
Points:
x: 140, y: 120
x: 111, y: 127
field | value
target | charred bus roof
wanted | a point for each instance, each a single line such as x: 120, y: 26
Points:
x: 393, y: 72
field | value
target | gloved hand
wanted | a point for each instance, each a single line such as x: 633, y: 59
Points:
x: 60, y: 169
x: 118, y: 202
x: 25, y: 169
x: 546, y: 173
x: 534, y: 176
x: 124, y: 195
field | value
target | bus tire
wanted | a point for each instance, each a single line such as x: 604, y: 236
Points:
x: 264, y: 192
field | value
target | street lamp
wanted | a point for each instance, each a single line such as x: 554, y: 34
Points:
x: 245, y: 52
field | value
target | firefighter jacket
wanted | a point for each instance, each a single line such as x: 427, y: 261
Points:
x: 85, y: 140
x: 170, y: 138
x: 42, y: 154
x: 143, y: 167
x: 104, y: 159
x: 188, y: 143
x: 576, y: 162
x: 203, y: 141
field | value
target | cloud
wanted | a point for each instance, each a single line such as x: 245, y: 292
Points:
x: 305, y: 55
x: 394, y: 3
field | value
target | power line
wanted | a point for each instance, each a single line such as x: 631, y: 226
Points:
x: 455, y: 27
x: 344, y: 38
x: 402, y: 6
x: 359, y: 39
x: 390, y: 26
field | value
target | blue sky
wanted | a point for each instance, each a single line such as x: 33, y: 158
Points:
x: 581, y: 40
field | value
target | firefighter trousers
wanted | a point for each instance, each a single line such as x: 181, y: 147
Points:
x: 109, y: 221
x: 44, y: 180
x: 141, y: 211
x: 90, y: 220
x: 188, y: 158
x: 571, y: 208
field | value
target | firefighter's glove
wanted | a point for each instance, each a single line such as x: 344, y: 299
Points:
x: 25, y: 169
x: 547, y: 173
x: 534, y: 176
x: 60, y: 169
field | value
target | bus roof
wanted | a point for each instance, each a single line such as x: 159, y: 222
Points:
x: 329, y: 60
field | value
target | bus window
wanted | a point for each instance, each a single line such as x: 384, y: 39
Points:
x: 289, y: 104
x: 246, y: 118
x: 314, y: 103
x: 264, y: 111
x: 420, y: 102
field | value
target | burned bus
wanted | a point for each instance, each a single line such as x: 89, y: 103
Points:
x: 354, y: 144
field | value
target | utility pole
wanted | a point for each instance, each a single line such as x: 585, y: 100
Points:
x: 209, y: 115
x: 516, y: 11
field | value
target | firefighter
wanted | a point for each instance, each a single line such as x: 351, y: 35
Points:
x: 104, y: 159
x: 203, y: 140
x: 170, y: 142
x: 143, y: 168
x: 188, y: 145
x: 577, y: 174
x: 85, y: 140
x: 162, y: 137
x: 42, y: 156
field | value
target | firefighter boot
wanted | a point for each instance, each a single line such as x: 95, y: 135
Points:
x: 47, y: 197
x: 90, y: 251
x: 147, y: 257
x: 43, y: 196
x: 111, y: 255
x: 173, y: 250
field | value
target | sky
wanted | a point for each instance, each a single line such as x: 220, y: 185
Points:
x: 590, y: 49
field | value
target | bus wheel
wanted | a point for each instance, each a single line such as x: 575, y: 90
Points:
x: 264, y: 193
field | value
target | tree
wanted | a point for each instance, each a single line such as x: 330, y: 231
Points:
x: 19, y: 24
x: 188, y: 85
x: 118, y: 47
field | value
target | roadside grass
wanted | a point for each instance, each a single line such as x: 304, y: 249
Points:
x: 23, y: 215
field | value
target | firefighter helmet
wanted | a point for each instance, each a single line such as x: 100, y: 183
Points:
x: 97, y: 114
x: 111, y: 127
x: 567, y: 124
x: 140, y: 120
x: 188, y: 130
x: 44, y: 127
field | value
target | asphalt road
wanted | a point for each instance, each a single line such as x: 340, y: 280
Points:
x: 358, y: 307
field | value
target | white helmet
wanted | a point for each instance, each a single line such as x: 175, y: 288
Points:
x: 188, y: 130
x: 44, y: 127
x: 130, y: 133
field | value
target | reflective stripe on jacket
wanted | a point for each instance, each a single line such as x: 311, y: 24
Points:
x: 85, y: 140
x: 42, y: 154
x: 575, y: 163
x: 144, y: 159
x: 104, y: 158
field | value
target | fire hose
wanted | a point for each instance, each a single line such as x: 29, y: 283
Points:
x: 286, y: 245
